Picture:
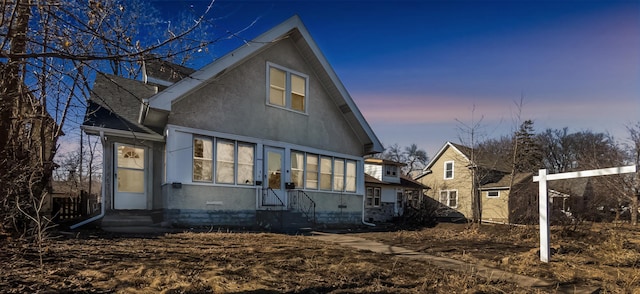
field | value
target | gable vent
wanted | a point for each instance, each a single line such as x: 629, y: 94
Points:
x: 345, y: 108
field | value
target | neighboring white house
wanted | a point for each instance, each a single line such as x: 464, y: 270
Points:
x: 388, y: 191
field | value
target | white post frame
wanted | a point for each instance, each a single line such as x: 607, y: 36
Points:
x: 542, y: 179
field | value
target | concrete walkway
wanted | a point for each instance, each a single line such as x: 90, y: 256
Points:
x: 486, y: 272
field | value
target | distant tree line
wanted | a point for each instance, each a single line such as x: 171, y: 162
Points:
x: 559, y: 151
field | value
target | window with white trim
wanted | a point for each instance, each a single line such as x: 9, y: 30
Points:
x: 449, y: 198
x: 234, y: 161
x: 338, y: 174
x: 326, y: 171
x: 297, y: 169
x: 245, y: 164
x: 373, y: 196
x: 493, y: 194
x: 448, y: 170
x: 311, y: 171
x: 350, y: 185
x: 225, y: 156
x: 391, y: 170
x: 287, y: 88
x: 202, y: 159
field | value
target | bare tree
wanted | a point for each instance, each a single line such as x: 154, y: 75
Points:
x: 416, y: 159
x: 49, y: 53
x: 469, y: 134
x: 412, y: 156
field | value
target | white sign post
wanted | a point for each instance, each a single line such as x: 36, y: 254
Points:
x: 542, y: 179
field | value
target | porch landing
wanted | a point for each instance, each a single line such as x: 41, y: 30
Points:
x: 118, y: 220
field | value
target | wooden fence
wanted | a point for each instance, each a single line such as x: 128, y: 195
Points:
x: 72, y: 207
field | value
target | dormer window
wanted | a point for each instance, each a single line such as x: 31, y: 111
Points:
x: 287, y: 88
x: 391, y: 170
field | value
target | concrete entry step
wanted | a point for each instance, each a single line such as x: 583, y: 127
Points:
x: 126, y: 221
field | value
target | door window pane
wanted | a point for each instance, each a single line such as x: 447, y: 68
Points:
x: 130, y: 157
x: 130, y: 169
x: 225, y: 157
x: 274, y: 170
x: 130, y: 180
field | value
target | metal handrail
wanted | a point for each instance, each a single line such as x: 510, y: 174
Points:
x: 267, y: 194
x: 308, y: 210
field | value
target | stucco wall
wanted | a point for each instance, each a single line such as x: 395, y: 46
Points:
x: 235, y: 103
x: 209, y: 205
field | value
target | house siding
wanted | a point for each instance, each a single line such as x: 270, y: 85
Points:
x: 238, y: 99
x: 495, y: 209
x: 461, y: 181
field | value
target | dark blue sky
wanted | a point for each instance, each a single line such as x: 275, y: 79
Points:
x: 418, y: 68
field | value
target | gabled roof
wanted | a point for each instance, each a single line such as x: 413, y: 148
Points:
x: 505, y: 181
x: 483, y: 159
x: 114, y: 106
x: 405, y: 181
x: 163, y: 72
x: 380, y: 161
x: 575, y: 187
x: 296, y: 31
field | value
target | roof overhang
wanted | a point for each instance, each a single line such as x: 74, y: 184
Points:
x: 152, y: 116
x: 93, y: 130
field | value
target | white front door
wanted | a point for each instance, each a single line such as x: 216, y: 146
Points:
x: 274, y: 178
x: 130, y: 177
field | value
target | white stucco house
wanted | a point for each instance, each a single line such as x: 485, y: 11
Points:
x: 262, y: 132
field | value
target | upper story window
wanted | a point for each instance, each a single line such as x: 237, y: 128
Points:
x: 391, y: 170
x: 373, y: 196
x: 448, y: 170
x: 287, y: 88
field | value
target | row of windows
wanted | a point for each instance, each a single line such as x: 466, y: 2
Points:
x: 450, y: 197
x: 313, y: 171
x: 233, y: 161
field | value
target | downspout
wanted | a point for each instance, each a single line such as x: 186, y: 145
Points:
x: 102, y: 206
x: 364, y: 198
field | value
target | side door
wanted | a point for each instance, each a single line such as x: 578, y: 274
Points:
x: 130, y: 176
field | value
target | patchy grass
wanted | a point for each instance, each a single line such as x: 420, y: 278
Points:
x: 599, y: 255
x: 233, y: 263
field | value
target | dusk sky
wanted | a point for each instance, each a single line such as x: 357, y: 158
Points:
x: 416, y: 69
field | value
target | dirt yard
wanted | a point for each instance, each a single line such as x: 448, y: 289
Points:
x: 227, y: 262
x: 604, y: 256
